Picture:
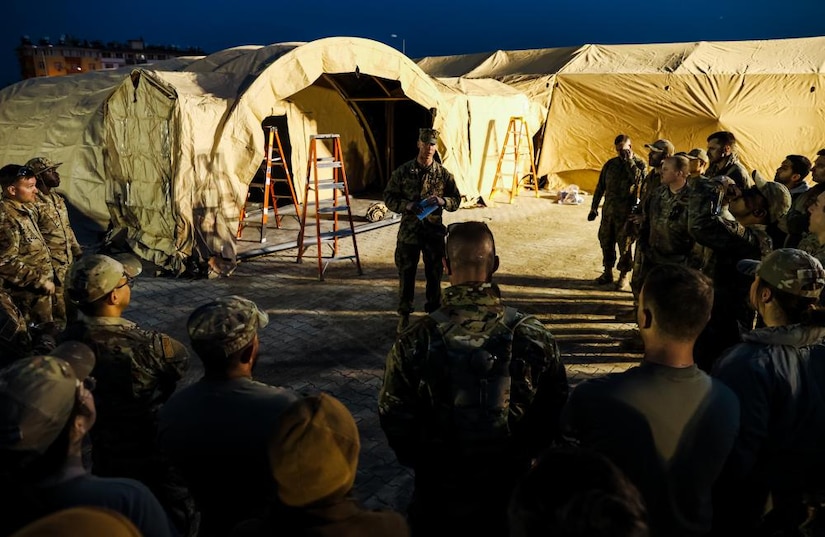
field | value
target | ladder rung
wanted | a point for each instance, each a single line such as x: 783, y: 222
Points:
x: 330, y: 186
x: 334, y: 164
x: 325, y: 136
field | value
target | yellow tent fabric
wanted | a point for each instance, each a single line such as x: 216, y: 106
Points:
x: 769, y: 93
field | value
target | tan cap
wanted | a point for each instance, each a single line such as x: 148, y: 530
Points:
x: 698, y: 154
x: 81, y: 522
x: 41, y: 164
x: 229, y: 322
x: 314, y: 451
x: 662, y: 145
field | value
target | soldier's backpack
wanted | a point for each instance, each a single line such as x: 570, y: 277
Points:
x: 472, y: 390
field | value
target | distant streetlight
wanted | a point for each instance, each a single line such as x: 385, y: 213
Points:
x: 403, y: 43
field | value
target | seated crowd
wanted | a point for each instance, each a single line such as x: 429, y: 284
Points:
x: 719, y: 431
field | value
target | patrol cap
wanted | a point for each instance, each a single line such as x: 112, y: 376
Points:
x: 698, y: 154
x: 230, y: 322
x: 788, y: 269
x: 93, y: 276
x: 777, y: 194
x: 37, y: 396
x: 662, y: 145
x: 313, y: 453
x: 11, y: 173
x: 428, y: 136
x: 41, y: 164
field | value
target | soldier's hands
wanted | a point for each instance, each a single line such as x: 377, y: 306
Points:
x: 626, y: 154
x: 412, y: 207
x: 592, y: 215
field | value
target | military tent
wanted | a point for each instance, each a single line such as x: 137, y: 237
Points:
x: 769, y: 93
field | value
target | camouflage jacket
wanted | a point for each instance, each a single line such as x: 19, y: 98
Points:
x: 729, y: 240
x: 666, y: 227
x: 411, y: 182
x: 652, y: 181
x: 619, y: 183
x: 24, y: 255
x: 53, y: 220
x: 797, y: 218
x: 733, y: 169
x: 136, y: 371
x: 407, y: 403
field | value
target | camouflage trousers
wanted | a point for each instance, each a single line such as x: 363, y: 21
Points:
x: 36, y: 308
x: 59, y: 302
x: 431, y: 248
x: 615, y: 234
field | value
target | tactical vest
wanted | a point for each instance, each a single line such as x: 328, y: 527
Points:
x: 471, y: 388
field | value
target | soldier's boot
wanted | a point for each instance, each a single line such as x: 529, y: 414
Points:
x: 624, y: 282
x: 403, y: 322
x: 606, y: 277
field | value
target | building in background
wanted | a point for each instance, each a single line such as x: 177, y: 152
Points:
x: 71, y: 56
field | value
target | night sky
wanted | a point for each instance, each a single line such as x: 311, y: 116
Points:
x: 428, y: 28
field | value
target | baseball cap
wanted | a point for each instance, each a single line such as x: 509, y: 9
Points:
x: 428, y: 136
x: 81, y: 522
x: 229, y: 322
x: 662, y: 145
x: 788, y: 269
x: 93, y: 276
x: 777, y: 194
x: 37, y: 396
x: 698, y: 154
x: 41, y: 164
x: 313, y: 452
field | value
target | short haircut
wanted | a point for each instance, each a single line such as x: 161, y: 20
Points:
x: 576, y: 492
x: 680, y: 300
x: 620, y: 139
x: 800, y: 165
x: 215, y: 360
x: 724, y: 138
x: 8, y: 175
x: 470, y: 244
x: 681, y: 162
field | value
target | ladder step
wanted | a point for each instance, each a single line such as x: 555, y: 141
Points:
x: 333, y: 164
x: 325, y: 136
x: 330, y: 186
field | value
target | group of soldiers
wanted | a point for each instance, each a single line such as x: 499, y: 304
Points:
x: 702, y: 209
x: 37, y: 247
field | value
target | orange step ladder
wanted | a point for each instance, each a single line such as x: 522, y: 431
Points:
x: 517, y: 146
x: 339, y: 204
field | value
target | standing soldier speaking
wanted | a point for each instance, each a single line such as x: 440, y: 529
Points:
x: 619, y: 183
x: 414, y: 188
x: 53, y: 221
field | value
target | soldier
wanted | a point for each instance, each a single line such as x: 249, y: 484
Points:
x: 777, y: 373
x: 471, y: 393
x: 25, y: 264
x: 415, y: 188
x: 731, y: 241
x: 215, y: 430
x: 796, y: 221
x: 664, y: 236
x: 619, y: 182
x: 724, y: 161
x: 792, y: 174
x: 666, y: 424
x: 698, y: 164
x: 814, y: 241
x: 53, y: 221
x: 137, y: 370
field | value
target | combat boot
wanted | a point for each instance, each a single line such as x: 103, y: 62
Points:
x: 403, y: 322
x: 606, y: 277
x: 624, y: 282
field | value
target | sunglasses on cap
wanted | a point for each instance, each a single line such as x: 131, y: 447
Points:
x: 130, y: 281
x: 25, y: 171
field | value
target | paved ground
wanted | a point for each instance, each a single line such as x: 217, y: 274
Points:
x: 333, y: 335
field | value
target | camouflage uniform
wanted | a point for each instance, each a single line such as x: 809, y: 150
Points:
x: 15, y: 341
x: 619, y: 184
x: 664, y: 236
x: 25, y: 265
x: 53, y: 221
x: 412, y: 182
x: 136, y: 371
x: 464, y: 485
x: 731, y: 167
x: 730, y: 242
x: 797, y: 219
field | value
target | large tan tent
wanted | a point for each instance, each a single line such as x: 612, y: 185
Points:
x: 768, y: 93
